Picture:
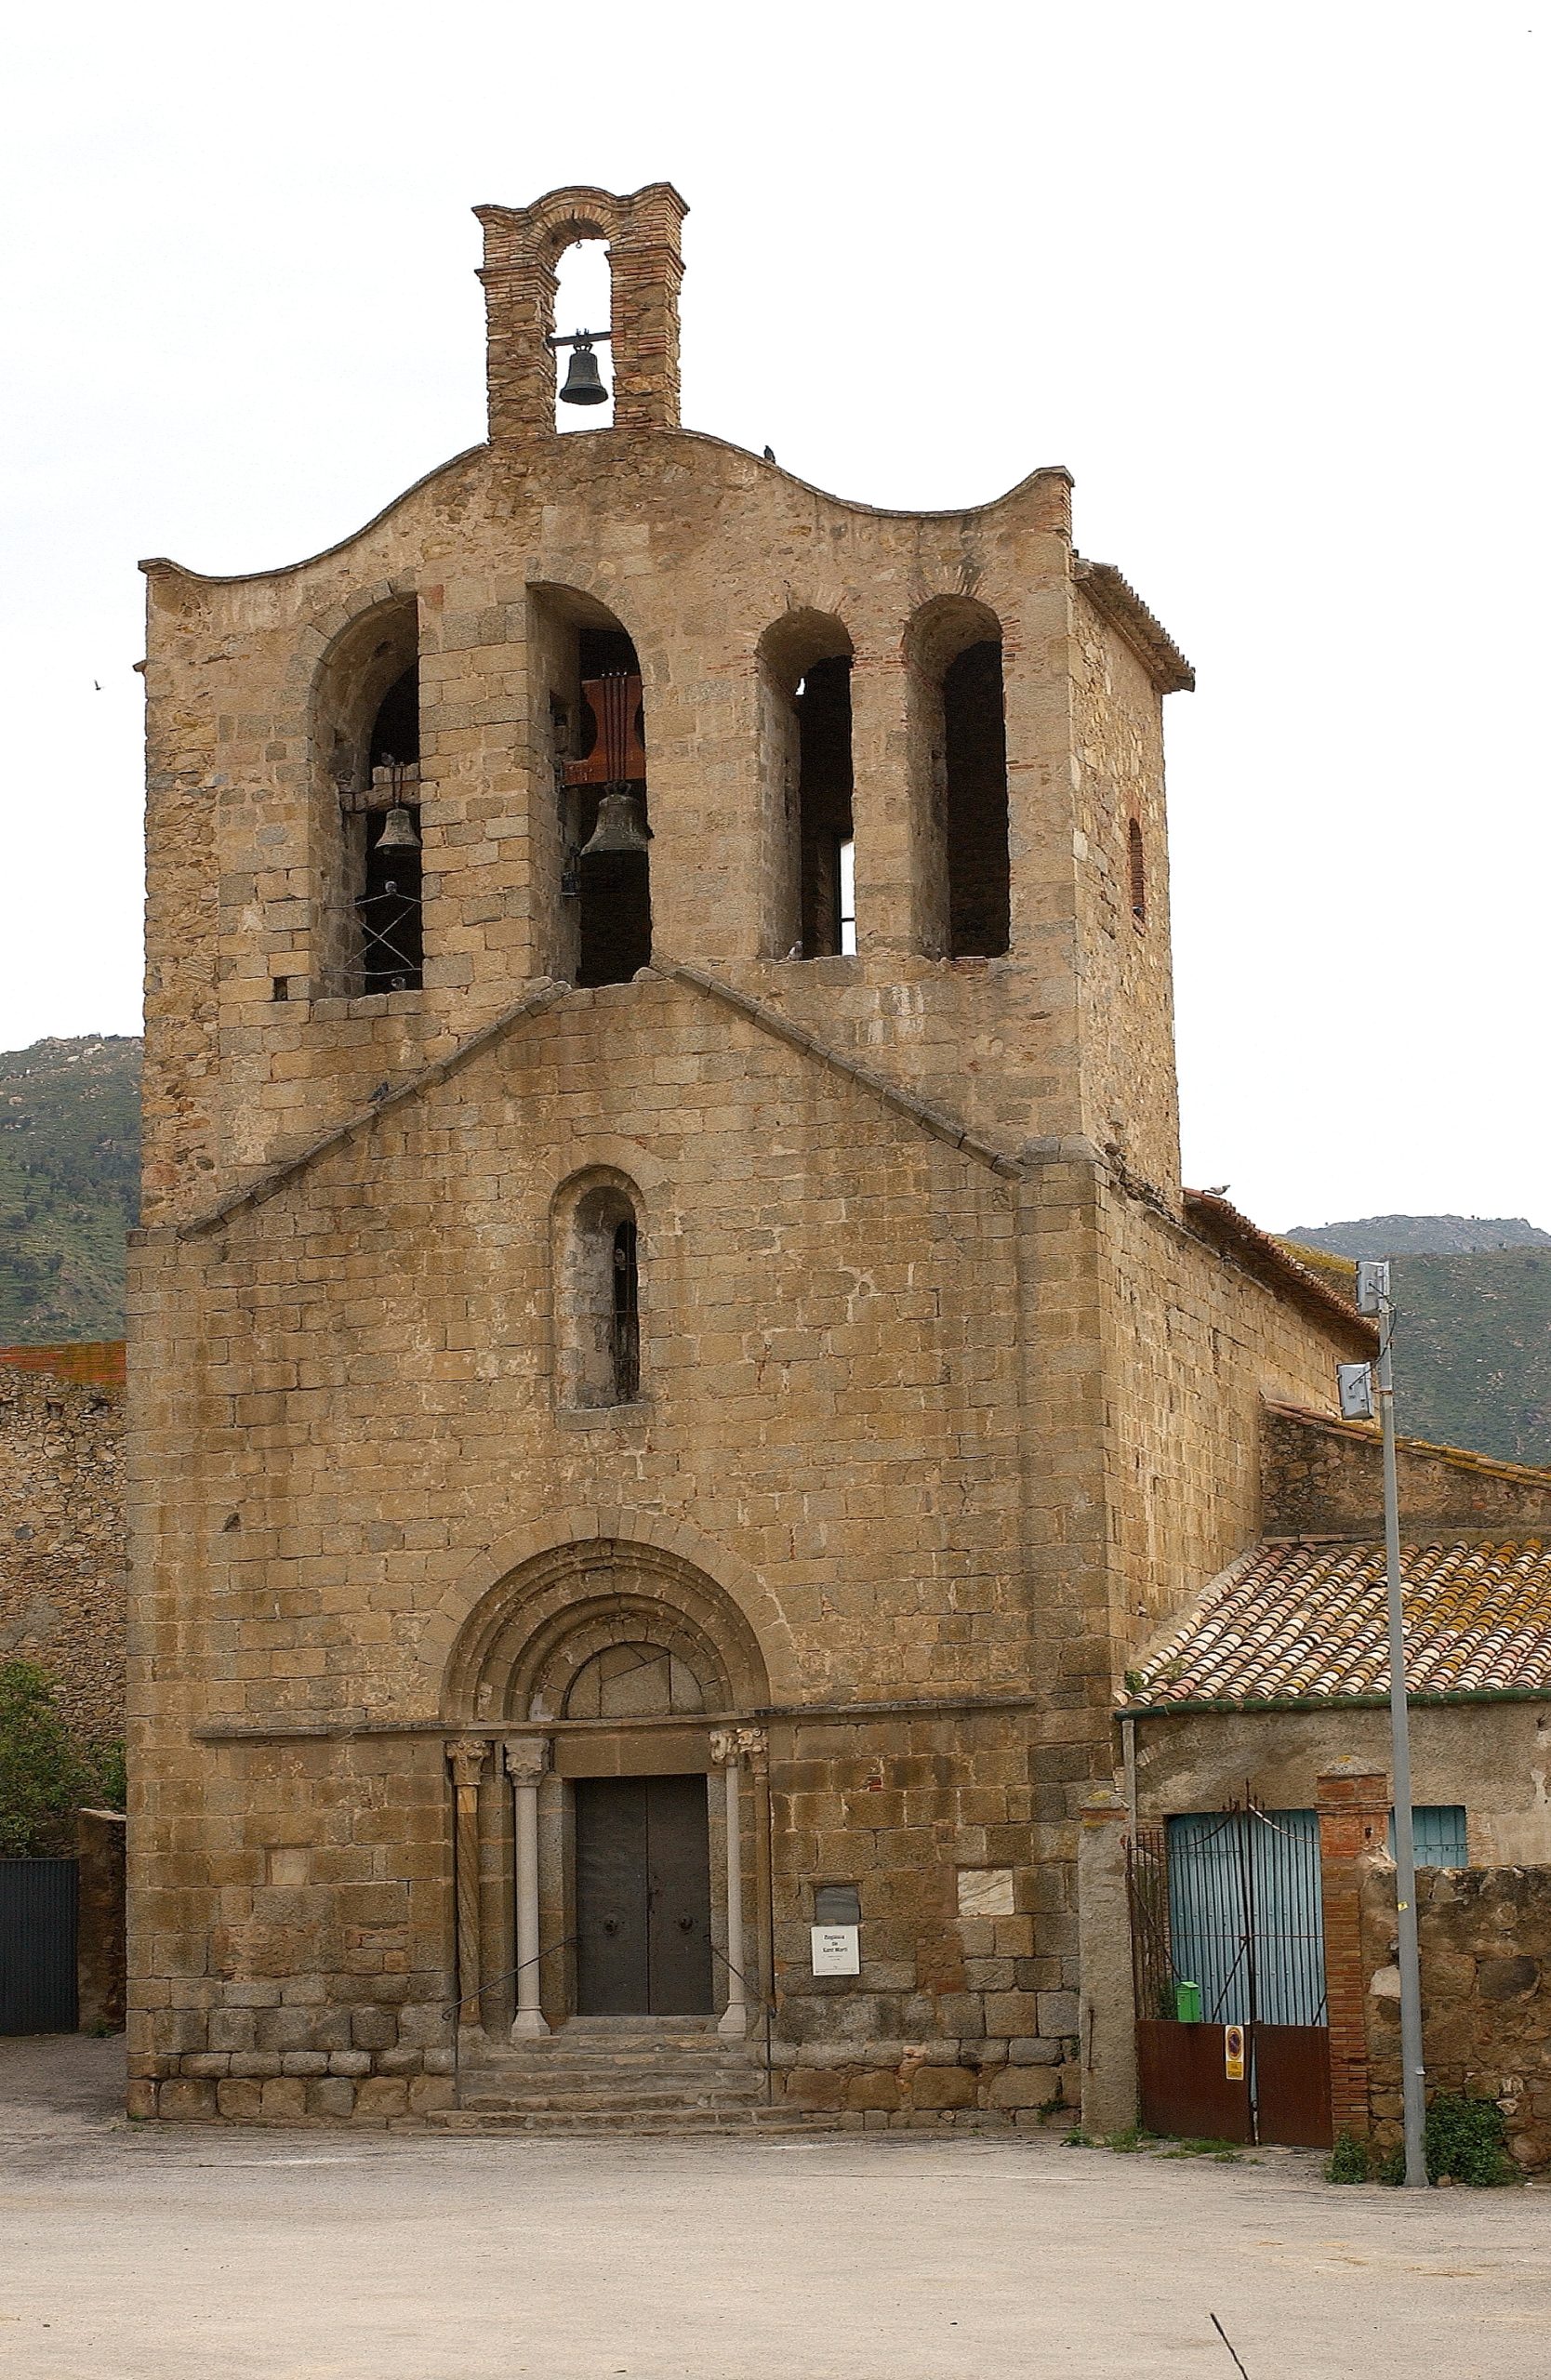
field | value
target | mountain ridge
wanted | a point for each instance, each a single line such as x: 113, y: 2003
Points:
x: 1420, y: 1235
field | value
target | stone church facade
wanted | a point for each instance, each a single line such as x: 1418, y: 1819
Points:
x: 658, y: 1414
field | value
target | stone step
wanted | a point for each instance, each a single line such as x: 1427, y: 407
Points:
x: 603, y: 2086
x: 691, y: 2069
x: 633, y: 2122
x: 619, y: 2045
x: 596, y: 2105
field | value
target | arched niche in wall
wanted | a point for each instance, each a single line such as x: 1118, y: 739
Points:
x: 804, y: 662
x: 367, y: 795
x: 958, y: 770
x: 592, y: 838
x: 598, y: 1236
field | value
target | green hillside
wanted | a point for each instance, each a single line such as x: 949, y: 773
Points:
x: 69, y: 1178
x: 1473, y: 1351
x: 1473, y: 1329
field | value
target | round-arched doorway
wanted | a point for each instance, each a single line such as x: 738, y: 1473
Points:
x: 623, y: 1856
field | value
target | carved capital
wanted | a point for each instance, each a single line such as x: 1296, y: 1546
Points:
x: 528, y: 1757
x: 465, y: 1757
x: 730, y: 1747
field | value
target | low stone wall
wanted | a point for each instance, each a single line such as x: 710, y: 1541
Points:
x: 927, y: 2082
x: 62, y: 1556
x: 1486, y: 1995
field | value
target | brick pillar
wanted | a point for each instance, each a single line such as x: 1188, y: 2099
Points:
x: 1354, y: 1812
x: 519, y: 315
x: 646, y: 268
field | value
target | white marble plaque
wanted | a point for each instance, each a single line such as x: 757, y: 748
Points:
x: 985, y: 1892
x: 836, y: 1948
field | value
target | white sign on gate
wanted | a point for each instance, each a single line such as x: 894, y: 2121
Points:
x: 836, y: 1948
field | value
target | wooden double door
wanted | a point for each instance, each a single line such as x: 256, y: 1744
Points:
x: 642, y: 1897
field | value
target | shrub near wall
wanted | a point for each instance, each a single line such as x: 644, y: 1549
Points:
x: 1486, y: 1996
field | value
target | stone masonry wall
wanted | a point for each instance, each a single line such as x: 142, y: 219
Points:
x: 1127, y: 1009
x: 1324, y: 1479
x: 1194, y: 1345
x: 1486, y: 1996
x: 62, y: 1564
x: 348, y: 1395
x: 696, y: 550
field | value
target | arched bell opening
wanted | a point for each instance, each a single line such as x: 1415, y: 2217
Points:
x: 958, y: 770
x: 591, y: 724
x: 805, y: 662
x: 390, y: 936
x: 583, y: 314
x: 367, y: 745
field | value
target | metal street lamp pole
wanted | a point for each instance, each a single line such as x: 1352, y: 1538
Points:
x: 1413, y: 2073
x: 1356, y: 1403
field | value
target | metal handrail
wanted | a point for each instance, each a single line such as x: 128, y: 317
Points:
x: 491, y: 1983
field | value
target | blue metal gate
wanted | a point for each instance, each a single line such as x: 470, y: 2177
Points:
x: 1245, y: 1915
x: 37, y: 1946
x: 1227, y: 1930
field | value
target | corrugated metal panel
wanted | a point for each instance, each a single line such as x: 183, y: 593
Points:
x: 1245, y: 1916
x: 37, y: 1946
x: 1439, y: 1833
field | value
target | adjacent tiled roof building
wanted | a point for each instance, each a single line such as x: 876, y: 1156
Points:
x: 1309, y: 1622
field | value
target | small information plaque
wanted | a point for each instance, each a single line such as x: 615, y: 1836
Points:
x: 836, y: 1948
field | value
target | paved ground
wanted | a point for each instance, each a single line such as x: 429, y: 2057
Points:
x: 130, y: 2252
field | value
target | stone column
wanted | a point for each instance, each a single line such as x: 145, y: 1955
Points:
x: 526, y: 1759
x: 1106, y: 2005
x: 466, y: 1758
x: 1354, y: 1814
x: 885, y: 825
x: 728, y: 1746
x: 755, y: 1746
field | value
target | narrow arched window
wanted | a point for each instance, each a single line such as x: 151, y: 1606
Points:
x: 1138, y: 876
x: 598, y: 1292
x: 625, y: 1326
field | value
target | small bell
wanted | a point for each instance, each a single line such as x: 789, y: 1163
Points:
x: 399, y: 832
x: 584, y: 382
x: 621, y: 825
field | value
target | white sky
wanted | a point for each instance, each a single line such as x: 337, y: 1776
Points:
x: 1270, y: 281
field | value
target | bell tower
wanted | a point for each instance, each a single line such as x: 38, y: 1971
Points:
x: 521, y: 247
x: 572, y: 709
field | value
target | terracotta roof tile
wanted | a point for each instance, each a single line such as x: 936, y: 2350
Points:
x: 1304, y: 1621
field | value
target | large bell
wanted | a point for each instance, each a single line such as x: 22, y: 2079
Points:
x: 399, y: 832
x: 621, y: 825
x: 584, y: 382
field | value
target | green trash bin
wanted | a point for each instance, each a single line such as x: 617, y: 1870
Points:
x: 1187, y: 2003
